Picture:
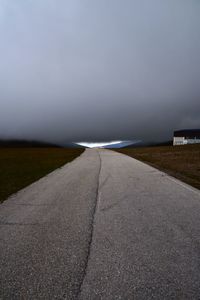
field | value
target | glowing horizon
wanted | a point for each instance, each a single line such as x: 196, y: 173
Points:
x: 94, y: 145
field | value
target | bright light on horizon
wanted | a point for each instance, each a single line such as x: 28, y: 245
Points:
x: 94, y: 145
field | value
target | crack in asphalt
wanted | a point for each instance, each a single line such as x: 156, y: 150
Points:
x: 105, y: 181
x: 92, y: 229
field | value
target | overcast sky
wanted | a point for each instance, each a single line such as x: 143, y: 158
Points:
x: 99, y: 70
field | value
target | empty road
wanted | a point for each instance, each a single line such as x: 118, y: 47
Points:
x: 105, y: 226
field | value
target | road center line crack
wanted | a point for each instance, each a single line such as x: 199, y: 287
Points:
x: 92, y: 228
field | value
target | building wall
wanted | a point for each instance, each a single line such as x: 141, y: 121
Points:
x: 193, y: 141
x: 185, y: 141
x: 179, y: 141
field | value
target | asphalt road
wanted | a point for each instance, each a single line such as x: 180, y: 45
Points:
x: 105, y: 226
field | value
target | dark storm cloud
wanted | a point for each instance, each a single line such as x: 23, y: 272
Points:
x: 99, y: 70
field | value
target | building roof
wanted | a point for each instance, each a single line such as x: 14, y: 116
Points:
x: 190, y: 133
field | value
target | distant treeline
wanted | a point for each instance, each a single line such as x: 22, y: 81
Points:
x: 167, y: 143
x: 26, y: 144
x: 150, y: 144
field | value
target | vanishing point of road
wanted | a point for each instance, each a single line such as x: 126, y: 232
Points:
x: 105, y: 226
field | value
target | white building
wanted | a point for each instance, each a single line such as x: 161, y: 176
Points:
x: 186, y: 136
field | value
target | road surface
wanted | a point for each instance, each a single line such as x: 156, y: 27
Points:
x: 105, y: 226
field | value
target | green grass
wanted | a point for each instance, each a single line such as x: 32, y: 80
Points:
x: 20, y: 167
x: 182, y: 162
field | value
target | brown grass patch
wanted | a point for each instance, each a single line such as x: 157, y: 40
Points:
x: 20, y: 167
x: 182, y: 162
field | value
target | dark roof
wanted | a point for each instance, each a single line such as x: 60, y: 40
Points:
x: 190, y: 133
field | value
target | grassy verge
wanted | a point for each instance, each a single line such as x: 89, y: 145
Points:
x: 20, y: 167
x: 182, y: 162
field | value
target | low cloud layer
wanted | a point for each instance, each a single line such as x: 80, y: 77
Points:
x: 90, y: 70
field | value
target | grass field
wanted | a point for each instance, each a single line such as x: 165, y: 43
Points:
x: 182, y: 162
x: 20, y: 167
